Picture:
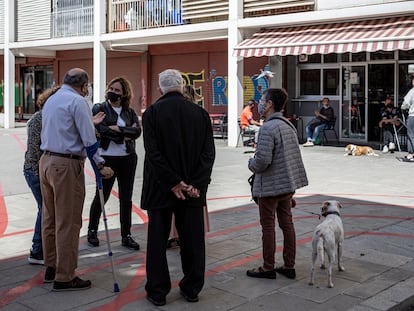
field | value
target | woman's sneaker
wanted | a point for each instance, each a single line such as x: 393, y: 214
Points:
x: 36, y: 258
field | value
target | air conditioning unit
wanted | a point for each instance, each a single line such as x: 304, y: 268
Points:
x: 303, y: 58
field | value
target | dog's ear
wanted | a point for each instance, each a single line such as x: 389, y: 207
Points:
x: 324, y: 207
x: 339, y: 204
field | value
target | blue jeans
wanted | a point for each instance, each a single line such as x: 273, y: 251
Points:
x: 313, y: 135
x: 33, y: 181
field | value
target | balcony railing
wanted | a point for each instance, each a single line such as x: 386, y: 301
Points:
x: 73, y: 18
x: 142, y: 14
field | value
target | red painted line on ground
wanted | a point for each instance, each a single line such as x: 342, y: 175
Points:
x: 4, y: 219
x: 15, y: 292
x: 128, y: 294
x: 389, y: 234
x: 20, y: 142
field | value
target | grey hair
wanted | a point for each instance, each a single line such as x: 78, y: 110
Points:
x: 170, y: 80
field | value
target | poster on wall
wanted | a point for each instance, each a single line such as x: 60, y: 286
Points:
x: 29, y: 93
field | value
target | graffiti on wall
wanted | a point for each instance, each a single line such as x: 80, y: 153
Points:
x: 253, y: 87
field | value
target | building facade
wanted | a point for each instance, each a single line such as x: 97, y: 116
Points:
x: 355, y: 54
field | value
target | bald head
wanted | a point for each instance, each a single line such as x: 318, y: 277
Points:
x: 76, y: 77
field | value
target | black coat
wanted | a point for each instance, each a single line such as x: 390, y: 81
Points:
x: 107, y: 135
x: 179, y: 146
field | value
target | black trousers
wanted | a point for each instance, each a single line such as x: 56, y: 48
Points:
x: 124, y: 171
x: 190, y: 226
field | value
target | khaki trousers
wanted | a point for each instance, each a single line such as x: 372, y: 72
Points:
x: 62, y: 181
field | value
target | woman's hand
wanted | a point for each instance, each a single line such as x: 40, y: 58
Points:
x: 115, y: 128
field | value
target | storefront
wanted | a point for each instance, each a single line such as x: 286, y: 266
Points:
x: 357, y: 64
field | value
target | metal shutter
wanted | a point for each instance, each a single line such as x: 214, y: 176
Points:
x: 33, y: 19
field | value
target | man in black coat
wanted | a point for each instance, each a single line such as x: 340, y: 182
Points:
x: 179, y: 157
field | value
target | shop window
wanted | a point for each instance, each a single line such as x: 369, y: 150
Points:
x: 330, y: 82
x: 310, y: 59
x: 310, y: 82
x: 345, y: 57
x: 406, y: 71
x: 330, y: 58
x: 406, y: 55
x: 359, y: 57
x: 382, y: 55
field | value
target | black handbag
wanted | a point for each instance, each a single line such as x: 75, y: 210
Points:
x: 251, y: 182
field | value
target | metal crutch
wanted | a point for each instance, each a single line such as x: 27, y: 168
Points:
x: 102, y: 201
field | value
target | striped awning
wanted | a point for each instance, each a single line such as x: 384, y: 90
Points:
x: 386, y: 34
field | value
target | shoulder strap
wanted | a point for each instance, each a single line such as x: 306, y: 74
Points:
x: 287, y: 122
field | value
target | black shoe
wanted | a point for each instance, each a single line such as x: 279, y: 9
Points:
x: 173, y: 243
x: 76, y: 284
x: 130, y: 243
x: 36, y: 258
x: 156, y: 302
x: 189, y: 298
x: 289, y: 273
x: 49, y: 275
x: 93, y: 238
x: 260, y: 273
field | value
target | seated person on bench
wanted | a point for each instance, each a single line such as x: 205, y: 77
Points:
x: 389, y: 117
x: 321, y: 120
x: 246, y: 119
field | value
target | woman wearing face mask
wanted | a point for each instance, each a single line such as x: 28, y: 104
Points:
x: 117, y: 132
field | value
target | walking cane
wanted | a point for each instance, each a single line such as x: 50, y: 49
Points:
x: 101, y: 198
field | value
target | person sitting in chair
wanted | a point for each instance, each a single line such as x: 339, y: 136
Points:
x: 246, y: 119
x: 321, y: 121
x: 389, y: 117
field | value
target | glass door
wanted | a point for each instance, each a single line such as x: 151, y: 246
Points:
x: 354, y: 104
x: 380, y: 86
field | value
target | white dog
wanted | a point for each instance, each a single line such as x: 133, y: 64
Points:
x: 328, y: 238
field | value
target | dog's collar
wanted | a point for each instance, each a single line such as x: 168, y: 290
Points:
x: 331, y: 213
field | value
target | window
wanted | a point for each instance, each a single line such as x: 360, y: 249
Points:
x: 345, y: 57
x: 359, y: 57
x: 382, y: 55
x: 330, y: 58
x: 330, y: 82
x: 406, y: 55
x: 310, y: 82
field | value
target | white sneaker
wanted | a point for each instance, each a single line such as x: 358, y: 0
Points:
x: 391, y: 146
x: 308, y: 144
x: 385, y: 149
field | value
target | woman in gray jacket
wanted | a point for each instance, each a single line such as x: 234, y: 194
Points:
x: 279, y: 171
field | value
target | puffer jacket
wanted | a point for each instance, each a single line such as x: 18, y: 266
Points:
x: 408, y: 103
x: 277, y: 162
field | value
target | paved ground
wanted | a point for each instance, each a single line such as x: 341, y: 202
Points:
x: 378, y: 200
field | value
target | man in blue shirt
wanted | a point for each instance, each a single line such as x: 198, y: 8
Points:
x: 68, y: 136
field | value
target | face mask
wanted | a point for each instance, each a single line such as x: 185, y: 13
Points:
x: 113, y: 97
x: 260, y: 108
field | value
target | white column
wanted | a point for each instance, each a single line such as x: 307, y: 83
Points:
x: 99, y: 54
x: 235, y: 72
x: 9, y: 64
x: 276, y: 66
